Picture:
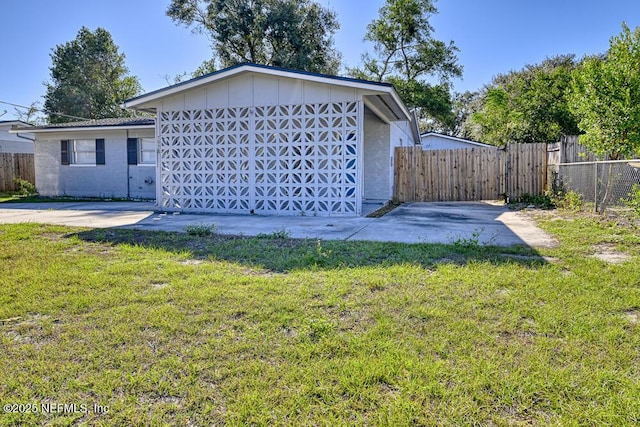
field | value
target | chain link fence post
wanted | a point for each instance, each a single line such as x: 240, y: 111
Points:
x: 611, y: 184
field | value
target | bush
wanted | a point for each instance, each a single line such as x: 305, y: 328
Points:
x: 569, y: 200
x: 25, y: 188
x: 544, y: 200
x: 633, y: 201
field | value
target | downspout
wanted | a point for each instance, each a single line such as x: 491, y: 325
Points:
x: 25, y: 137
x: 128, y: 168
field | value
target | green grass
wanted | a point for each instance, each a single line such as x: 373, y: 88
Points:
x: 175, y: 329
x: 7, y: 197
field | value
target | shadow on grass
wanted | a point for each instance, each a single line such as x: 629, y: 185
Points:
x: 283, y: 254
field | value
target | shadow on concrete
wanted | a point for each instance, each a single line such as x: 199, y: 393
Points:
x: 445, y: 223
x: 281, y: 254
x: 486, y: 223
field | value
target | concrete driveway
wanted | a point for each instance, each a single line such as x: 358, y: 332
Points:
x: 486, y: 223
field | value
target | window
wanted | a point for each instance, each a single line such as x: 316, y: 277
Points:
x: 147, y: 151
x: 82, y: 152
x: 141, y: 151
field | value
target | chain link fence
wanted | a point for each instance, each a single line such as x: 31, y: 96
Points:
x: 606, y: 183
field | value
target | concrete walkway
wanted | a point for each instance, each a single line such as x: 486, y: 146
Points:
x: 485, y: 223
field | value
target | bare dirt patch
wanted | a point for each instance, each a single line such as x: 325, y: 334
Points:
x: 632, y: 316
x: 29, y: 330
x: 191, y: 262
x: 384, y: 210
x: 609, y: 253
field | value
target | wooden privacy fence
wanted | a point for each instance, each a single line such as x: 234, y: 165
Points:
x: 469, y: 174
x: 13, y: 165
x: 569, y: 150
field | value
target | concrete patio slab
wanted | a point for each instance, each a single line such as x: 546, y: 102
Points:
x: 484, y: 223
x: 78, y: 214
x: 251, y: 225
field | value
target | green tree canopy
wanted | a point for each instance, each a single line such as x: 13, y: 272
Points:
x: 88, y: 79
x: 294, y: 34
x: 464, y: 106
x: 407, y: 55
x: 530, y: 105
x: 606, y: 97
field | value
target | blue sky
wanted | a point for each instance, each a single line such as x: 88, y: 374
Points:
x: 494, y: 36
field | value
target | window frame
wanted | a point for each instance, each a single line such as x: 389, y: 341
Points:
x: 142, y: 151
x: 71, y: 151
x: 74, y: 152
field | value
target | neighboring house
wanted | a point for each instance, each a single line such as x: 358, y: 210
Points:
x: 15, y: 142
x: 266, y: 140
x: 96, y: 158
x: 438, y: 141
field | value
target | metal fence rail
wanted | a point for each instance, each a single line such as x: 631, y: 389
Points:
x: 606, y: 183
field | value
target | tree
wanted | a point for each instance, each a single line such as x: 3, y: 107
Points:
x: 606, y: 97
x: 464, y: 105
x: 530, y: 105
x: 499, y: 123
x: 294, y: 34
x: 88, y: 79
x: 30, y: 114
x: 407, y: 55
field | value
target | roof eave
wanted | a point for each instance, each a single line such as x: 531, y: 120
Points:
x: 81, y: 128
x: 141, y: 101
x: 398, y: 100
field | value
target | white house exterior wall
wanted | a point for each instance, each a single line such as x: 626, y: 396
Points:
x: 377, y: 172
x: 262, y: 144
x: 108, y: 180
x: 142, y: 178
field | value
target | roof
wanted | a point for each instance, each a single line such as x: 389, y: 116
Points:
x: 453, y: 138
x: 15, y: 123
x: 143, y: 101
x: 110, y: 123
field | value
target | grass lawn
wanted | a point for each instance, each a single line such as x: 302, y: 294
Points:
x: 7, y: 197
x: 173, y: 329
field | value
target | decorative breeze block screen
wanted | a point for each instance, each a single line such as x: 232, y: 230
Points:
x: 283, y: 159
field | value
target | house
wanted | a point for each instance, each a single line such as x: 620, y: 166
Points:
x: 438, y: 141
x: 266, y: 140
x: 96, y: 158
x: 15, y: 142
x: 248, y: 139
